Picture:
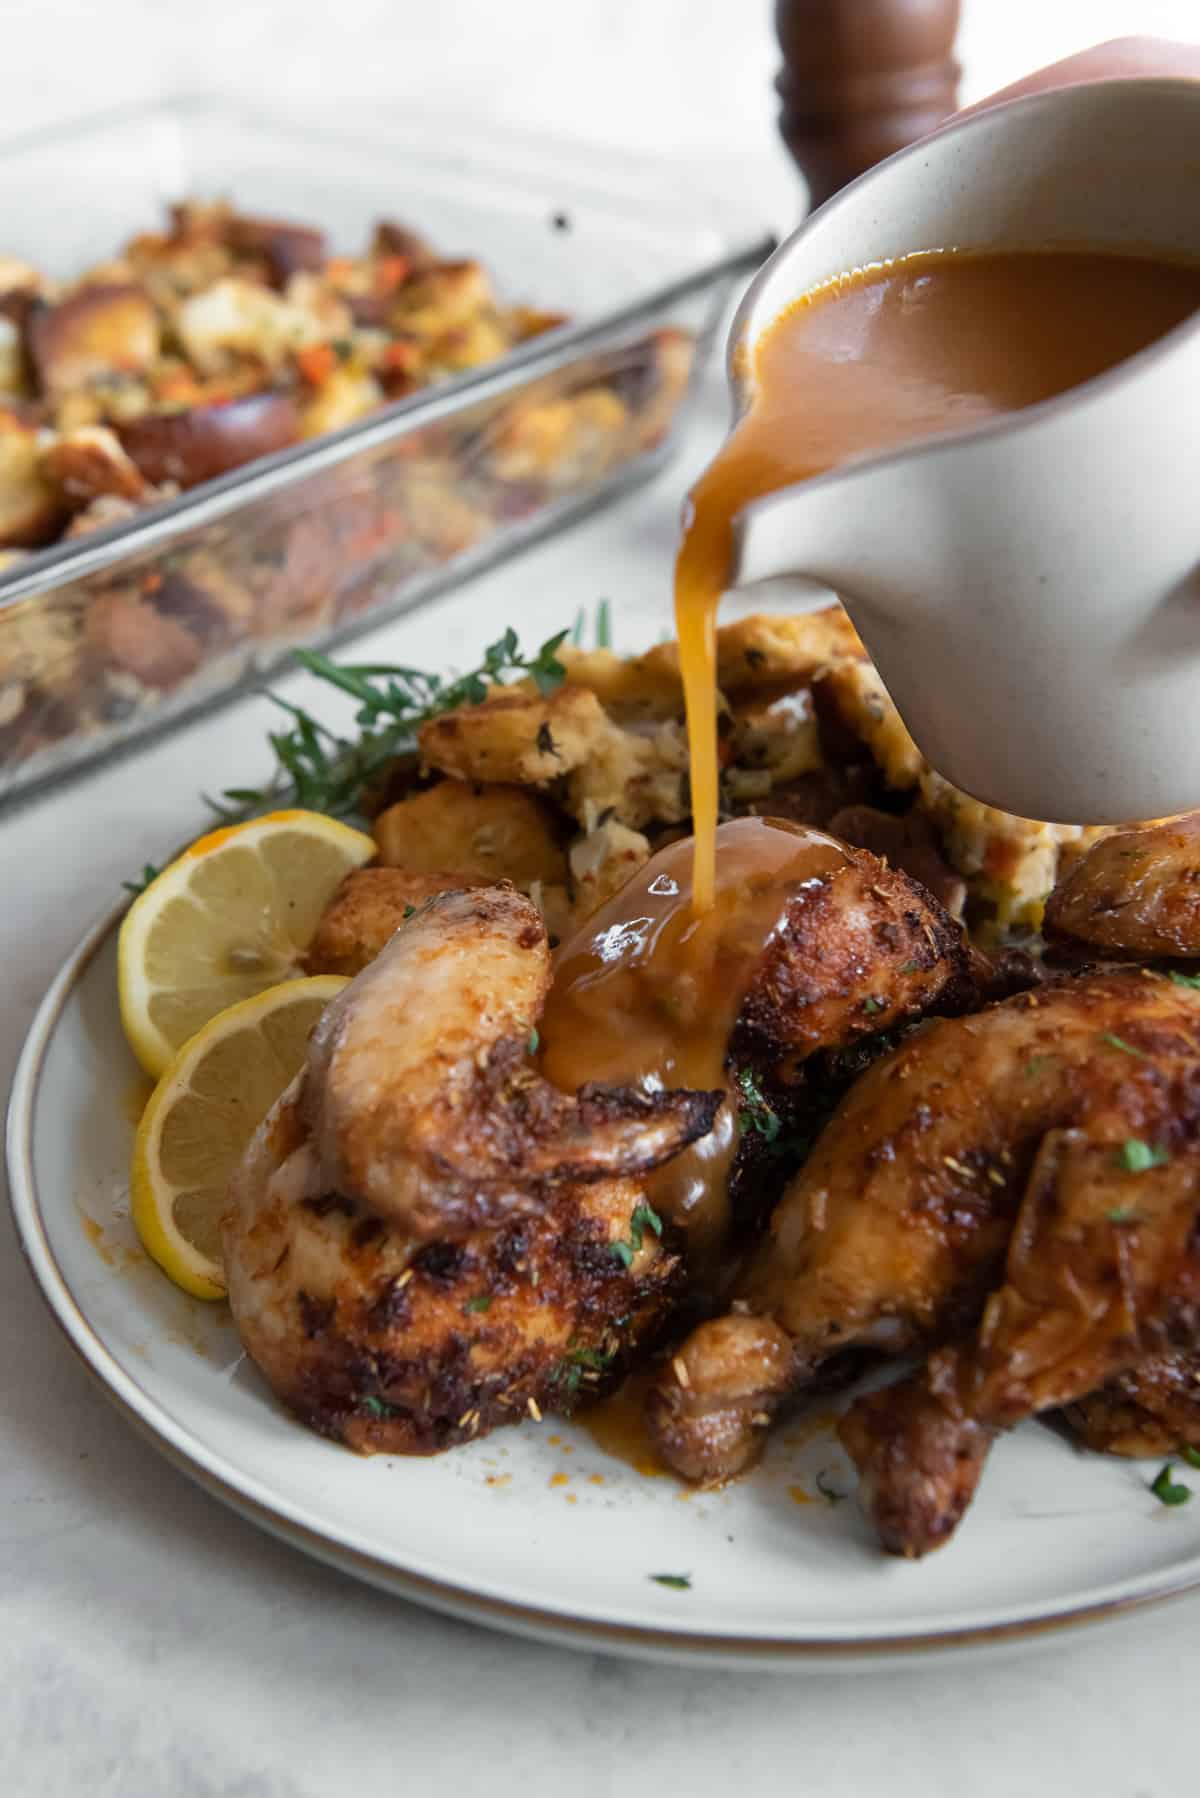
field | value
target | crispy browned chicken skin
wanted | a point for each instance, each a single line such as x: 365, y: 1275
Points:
x: 403, y: 1347
x: 1103, y: 1269
x: 1153, y: 1409
x: 896, y: 1229
x: 1135, y: 894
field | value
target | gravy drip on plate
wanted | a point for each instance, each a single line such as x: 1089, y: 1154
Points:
x: 650, y: 989
x: 933, y: 342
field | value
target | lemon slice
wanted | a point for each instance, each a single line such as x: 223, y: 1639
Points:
x: 200, y: 1117
x: 231, y: 917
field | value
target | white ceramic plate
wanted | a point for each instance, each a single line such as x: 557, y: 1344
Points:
x: 536, y: 1529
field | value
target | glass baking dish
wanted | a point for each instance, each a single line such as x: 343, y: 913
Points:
x: 111, y: 635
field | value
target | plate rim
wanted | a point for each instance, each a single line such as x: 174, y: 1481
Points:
x: 214, y: 1475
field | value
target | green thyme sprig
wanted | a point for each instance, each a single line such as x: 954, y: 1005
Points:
x: 324, y: 771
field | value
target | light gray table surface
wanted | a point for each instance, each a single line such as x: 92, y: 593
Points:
x: 153, y: 1645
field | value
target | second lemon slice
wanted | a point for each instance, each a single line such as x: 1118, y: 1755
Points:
x: 201, y: 1116
x: 231, y: 917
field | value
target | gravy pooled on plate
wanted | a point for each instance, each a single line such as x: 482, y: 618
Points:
x: 933, y: 342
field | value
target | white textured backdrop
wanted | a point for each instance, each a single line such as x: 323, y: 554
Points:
x: 668, y: 75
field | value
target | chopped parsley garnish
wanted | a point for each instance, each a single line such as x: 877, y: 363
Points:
x: 1138, y: 1157
x: 481, y: 1302
x: 1170, y: 1491
x: 580, y: 1365
x: 1192, y: 980
x: 1118, y: 1042
x: 326, y: 772
x: 410, y: 911
x: 871, y: 1006
x: 377, y: 1407
x: 755, y: 1112
x: 149, y: 873
x: 1037, y: 1064
x: 911, y: 967
x: 828, y: 1492
x: 1190, y: 1455
x: 678, y: 1582
x: 534, y: 1040
x: 644, y: 1218
x: 1124, y: 1214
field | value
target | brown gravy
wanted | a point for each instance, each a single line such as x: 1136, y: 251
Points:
x: 650, y: 988
x: 933, y: 342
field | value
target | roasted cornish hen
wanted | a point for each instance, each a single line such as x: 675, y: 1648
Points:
x: 1045, y: 1152
x: 427, y: 1238
x: 896, y: 1229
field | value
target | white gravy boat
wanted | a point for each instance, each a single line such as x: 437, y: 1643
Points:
x: 1030, y: 591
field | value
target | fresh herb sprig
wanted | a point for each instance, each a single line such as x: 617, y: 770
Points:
x: 324, y: 771
x: 1168, y: 1490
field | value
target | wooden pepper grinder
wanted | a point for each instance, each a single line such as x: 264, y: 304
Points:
x: 860, y: 79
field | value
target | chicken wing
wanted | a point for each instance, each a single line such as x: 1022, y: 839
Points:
x: 1103, y: 1270
x: 420, y: 1096
x: 1136, y: 894
x: 895, y: 1230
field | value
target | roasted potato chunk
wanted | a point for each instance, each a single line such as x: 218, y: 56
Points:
x: 365, y: 912
x: 516, y: 736
x: 498, y: 833
x: 100, y: 330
